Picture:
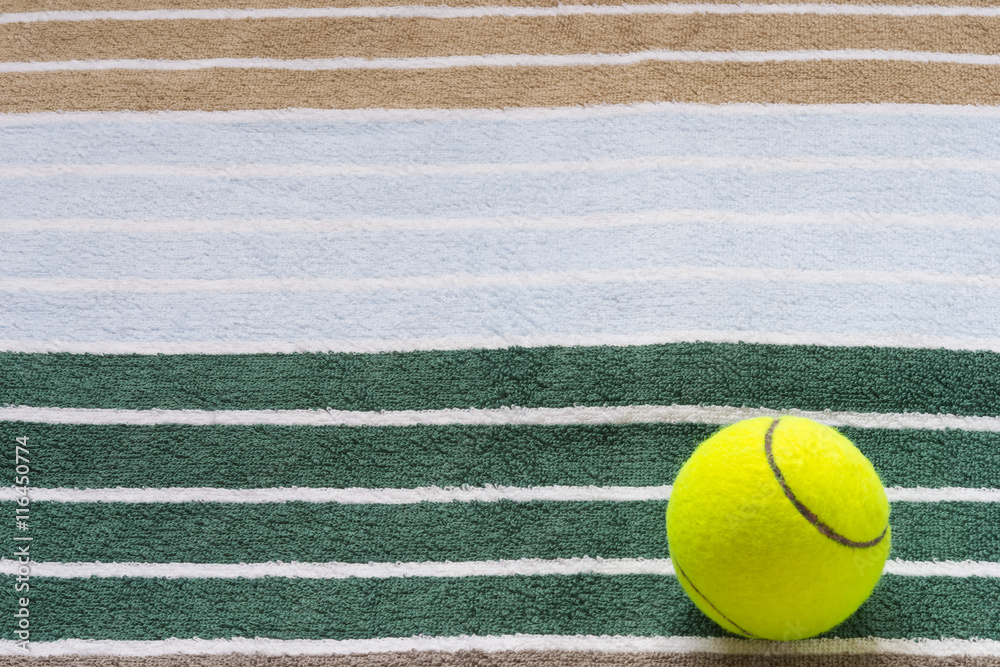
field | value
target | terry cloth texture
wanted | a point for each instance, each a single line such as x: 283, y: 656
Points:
x: 372, y: 333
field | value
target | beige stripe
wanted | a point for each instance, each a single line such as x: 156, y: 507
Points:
x: 414, y: 37
x: 814, y: 82
x: 509, y: 659
x: 135, y: 5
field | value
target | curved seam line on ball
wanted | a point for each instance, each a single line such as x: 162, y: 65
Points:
x: 702, y: 596
x: 809, y: 515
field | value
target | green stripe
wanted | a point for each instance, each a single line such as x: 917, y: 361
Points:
x: 408, y: 457
x: 933, y: 459
x: 866, y: 379
x: 371, y: 457
x: 144, y: 609
x: 316, y: 532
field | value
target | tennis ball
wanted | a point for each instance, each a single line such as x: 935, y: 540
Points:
x: 778, y: 528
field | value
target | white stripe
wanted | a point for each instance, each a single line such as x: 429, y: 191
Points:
x: 526, y: 567
x: 504, y: 643
x: 207, y: 226
x: 805, y: 163
x: 501, y: 60
x: 512, y: 114
x: 967, y: 568
x: 444, y: 12
x: 428, y: 494
x: 450, y: 569
x: 912, y: 341
x: 351, y: 496
x: 920, y: 494
x: 380, y: 115
x: 631, y: 414
x: 525, y: 279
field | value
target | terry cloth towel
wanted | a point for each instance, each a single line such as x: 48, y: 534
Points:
x: 372, y: 333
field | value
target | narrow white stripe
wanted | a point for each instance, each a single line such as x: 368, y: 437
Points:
x: 351, y: 496
x: 967, y: 568
x: 428, y: 494
x: 525, y: 279
x: 519, y: 642
x: 451, y: 569
x: 445, y: 12
x: 501, y: 60
x: 693, y: 414
x: 541, y: 222
x: 512, y: 114
x: 913, y: 341
x: 953, y: 494
x: 805, y: 163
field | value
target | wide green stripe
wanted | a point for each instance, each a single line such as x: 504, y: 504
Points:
x: 867, y: 379
x: 231, y: 533
x: 146, y: 609
x: 405, y: 457
x: 315, y: 532
x: 909, y: 458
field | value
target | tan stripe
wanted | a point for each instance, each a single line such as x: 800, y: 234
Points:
x: 411, y: 37
x: 510, y: 659
x: 813, y: 82
x: 132, y: 5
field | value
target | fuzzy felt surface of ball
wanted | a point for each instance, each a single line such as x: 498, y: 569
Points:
x: 778, y: 528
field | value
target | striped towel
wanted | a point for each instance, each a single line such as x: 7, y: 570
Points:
x: 371, y: 333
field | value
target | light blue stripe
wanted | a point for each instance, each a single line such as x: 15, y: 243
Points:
x: 666, y: 132
x: 876, y: 191
x: 491, y: 251
x: 577, y: 309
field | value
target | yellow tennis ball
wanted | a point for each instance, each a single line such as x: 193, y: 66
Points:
x: 778, y: 528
